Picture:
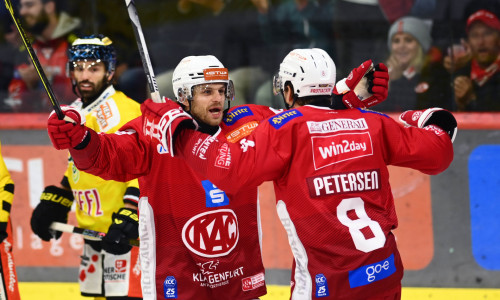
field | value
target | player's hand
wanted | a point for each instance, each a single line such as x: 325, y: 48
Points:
x: 68, y: 132
x: 365, y: 86
x: 55, y: 204
x: 163, y: 121
x: 435, y: 116
x: 125, y: 226
x: 378, y: 85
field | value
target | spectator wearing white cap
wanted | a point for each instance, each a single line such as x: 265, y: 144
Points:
x: 417, y: 76
x: 477, y: 84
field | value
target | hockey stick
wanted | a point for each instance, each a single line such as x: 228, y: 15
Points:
x: 87, y: 233
x: 143, y: 50
x: 36, y: 63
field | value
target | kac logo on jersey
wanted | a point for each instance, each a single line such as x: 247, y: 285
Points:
x: 321, y: 286
x: 212, y: 234
x: 281, y: 119
x: 170, y: 288
x: 214, y: 197
x: 236, y: 114
x: 371, y: 273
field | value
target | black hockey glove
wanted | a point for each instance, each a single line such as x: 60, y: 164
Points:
x: 125, y: 226
x: 55, y: 204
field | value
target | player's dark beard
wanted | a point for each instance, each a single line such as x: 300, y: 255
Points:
x: 90, y: 97
x: 41, y: 23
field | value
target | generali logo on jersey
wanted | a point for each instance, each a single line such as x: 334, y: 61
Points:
x: 332, y: 149
x: 216, y: 74
x: 335, y: 125
x: 212, y: 234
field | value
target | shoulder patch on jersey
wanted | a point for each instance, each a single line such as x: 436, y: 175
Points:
x: 372, y: 111
x: 236, y: 114
x: 281, y: 119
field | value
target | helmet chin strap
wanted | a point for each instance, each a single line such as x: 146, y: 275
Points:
x: 224, y: 116
x: 295, y: 96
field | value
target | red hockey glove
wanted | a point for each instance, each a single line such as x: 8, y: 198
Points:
x: 431, y: 117
x: 68, y: 132
x: 365, y: 86
x: 163, y: 121
x: 125, y: 226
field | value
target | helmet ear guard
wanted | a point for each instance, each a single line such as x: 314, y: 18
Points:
x: 183, y: 96
x: 230, y: 92
x: 277, y: 84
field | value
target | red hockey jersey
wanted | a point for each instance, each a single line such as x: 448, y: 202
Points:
x: 197, y: 241
x: 332, y: 189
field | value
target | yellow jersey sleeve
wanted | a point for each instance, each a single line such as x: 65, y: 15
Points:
x: 6, y: 190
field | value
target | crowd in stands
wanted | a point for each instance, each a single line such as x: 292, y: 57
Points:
x: 439, y: 53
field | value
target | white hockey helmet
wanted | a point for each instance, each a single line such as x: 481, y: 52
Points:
x: 196, y: 70
x: 311, y: 72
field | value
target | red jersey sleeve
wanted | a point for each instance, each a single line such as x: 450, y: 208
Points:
x: 99, y: 157
x: 428, y: 150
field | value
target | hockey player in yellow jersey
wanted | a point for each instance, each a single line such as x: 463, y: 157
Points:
x: 8, y: 277
x: 109, y: 268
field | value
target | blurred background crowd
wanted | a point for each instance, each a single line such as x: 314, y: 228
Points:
x: 442, y: 53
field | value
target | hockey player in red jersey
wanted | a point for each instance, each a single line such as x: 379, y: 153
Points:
x: 197, y: 241
x: 206, y: 249
x: 331, y: 178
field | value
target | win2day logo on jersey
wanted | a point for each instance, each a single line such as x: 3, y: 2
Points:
x: 332, y: 149
x: 214, y: 197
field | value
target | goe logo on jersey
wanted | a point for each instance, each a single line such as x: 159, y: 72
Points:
x: 211, y: 234
x: 371, y: 273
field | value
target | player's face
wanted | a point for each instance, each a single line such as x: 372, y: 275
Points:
x: 208, y: 103
x: 404, y: 47
x: 90, y: 77
x: 32, y: 12
x: 484, y: 43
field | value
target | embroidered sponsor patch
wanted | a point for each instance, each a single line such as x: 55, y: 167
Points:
x: 214, y: 197
x: 241, y: 132
x: 170, y: 288
x: 332, y: 149
x: 252, y: 282
x: 321, y: 286
x: 236, y: 114
x: 336, y: 125
x: 371, y: 273
x: 281, y: 119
